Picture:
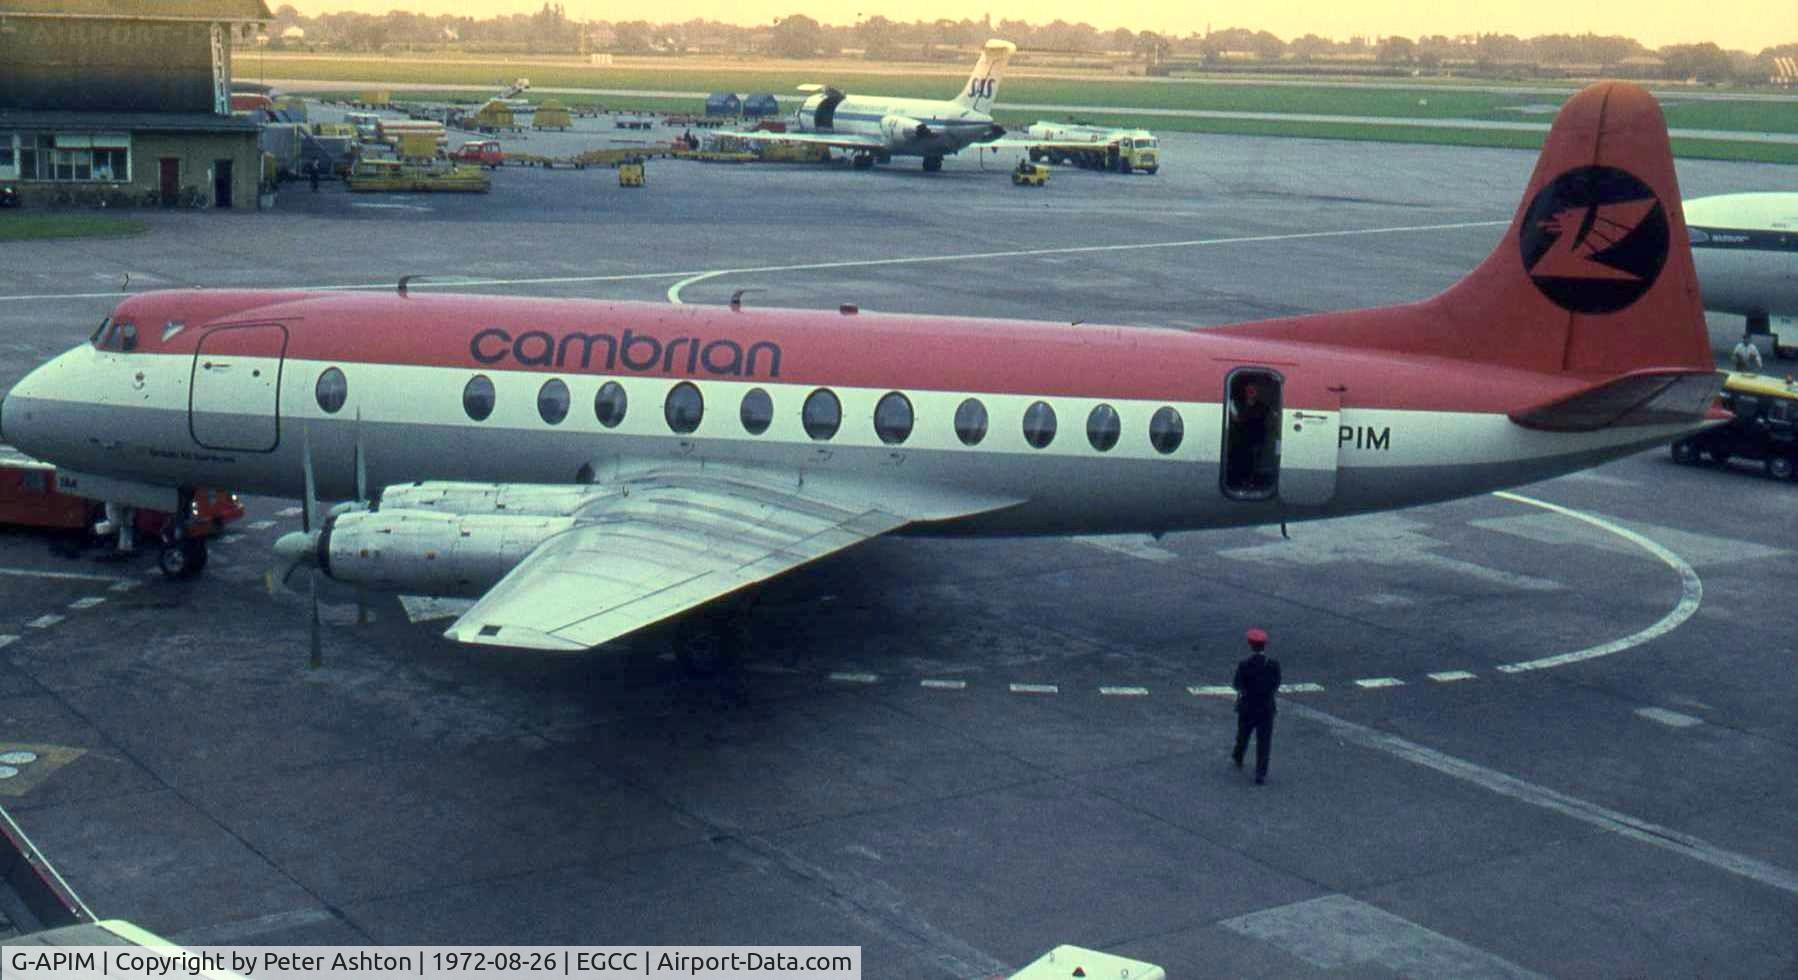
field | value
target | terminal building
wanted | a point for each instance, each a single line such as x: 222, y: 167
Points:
x: 125, y: 102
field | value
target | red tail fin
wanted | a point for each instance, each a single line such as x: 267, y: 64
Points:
x: 1594, y: 276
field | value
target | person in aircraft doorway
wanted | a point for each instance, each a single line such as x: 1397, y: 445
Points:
x: 1248, y: 434
x: 1257, y: 680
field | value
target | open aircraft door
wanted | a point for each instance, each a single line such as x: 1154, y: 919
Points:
x: 234, y: 396
x: 1309, y: 449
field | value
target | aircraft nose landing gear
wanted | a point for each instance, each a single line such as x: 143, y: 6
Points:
x: 182, y: 556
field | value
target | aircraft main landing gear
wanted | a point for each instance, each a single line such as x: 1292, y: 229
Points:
x: 933, y: 164
x: 182, y: 558
x: 862, y: 161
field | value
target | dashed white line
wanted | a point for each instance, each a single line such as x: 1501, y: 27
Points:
x: 61, y: 576
x: 1671, y: 719
x: 1375, y: 682
x: 8, y: 639
x: 941, y: 685
x: 45, y: 622
x: 289, y: 512
x: 1035, y: 689
x: 1301, y: 688
x: 1125, y: 692
x: 1212, y: 691
x: 1450, y: 676
x: 88, y: 602
x: 848, y: 678
x: 125, y: 586
x: 262, y: 525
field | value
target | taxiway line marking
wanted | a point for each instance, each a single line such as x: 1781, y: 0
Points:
x: 687, y: 278
x: 60, y: 576
x: 849, y: 678
x: 1671, y: 719
x: 1124, y: 692
x: 1376, y: 682
x: 1035, y: 689
x: 1299, y: 689
x: 1604, y: 818
x: 694, y: 275
x: 940, y: 685
x: 87, y: 602
x: 1212, y: 691
x: 1691, y: 591
x: 8, y: 639
x: 261, y: 525
x: 45, y: 622
x: 1450, y: 676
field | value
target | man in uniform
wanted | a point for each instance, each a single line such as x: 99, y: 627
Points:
x: 1746, y: 357
x: 1257, y: 679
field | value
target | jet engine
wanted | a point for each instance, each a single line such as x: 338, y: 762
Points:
x: 423, y: 552
x: 904, y: 128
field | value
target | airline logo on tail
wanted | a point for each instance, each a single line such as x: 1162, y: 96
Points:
x: 983, y: 84
x: 1594, y: 240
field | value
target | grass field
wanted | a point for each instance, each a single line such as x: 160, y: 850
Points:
x: 23, y: 226
x: 1422, y: 102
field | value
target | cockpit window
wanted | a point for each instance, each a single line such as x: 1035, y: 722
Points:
x: 127, y: 337
x: 99, y: 331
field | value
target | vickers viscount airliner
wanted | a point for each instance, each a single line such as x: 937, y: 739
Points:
x: 588, y: 468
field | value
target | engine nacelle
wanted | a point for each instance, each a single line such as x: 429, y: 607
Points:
x: 902, y: 128
x: 534, y: 499
x: 428, y: 553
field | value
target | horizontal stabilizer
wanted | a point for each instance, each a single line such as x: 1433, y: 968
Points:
x: 1652, y: 397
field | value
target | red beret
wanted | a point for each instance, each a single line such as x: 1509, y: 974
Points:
x: 1257, y: 638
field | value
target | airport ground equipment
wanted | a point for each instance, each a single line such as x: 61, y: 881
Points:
x: 631, y: 174
x: 1030, y: 175
x: 1073, y: 961
x: 406, y: 175
x: 375, y: 98
x: 1096, y: 147
x: 1764, y: 430
x: 33, y: 494
x: 552, y: 115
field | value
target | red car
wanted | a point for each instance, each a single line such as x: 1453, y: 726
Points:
x: 484, y: 152
x: 29, y: 498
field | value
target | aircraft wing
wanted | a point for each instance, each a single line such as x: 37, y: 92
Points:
x: 672, y: 542
x: 847, y: 141
x: 1025, y: 143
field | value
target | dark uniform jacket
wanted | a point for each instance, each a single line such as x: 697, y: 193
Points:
x: 1256, y: 680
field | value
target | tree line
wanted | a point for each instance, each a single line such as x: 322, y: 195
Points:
x: 550, y: 31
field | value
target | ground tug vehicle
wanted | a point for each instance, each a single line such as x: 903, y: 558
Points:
x: 1765, y: 427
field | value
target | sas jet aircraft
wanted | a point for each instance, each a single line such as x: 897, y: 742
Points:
x: 877, y: 128
x: 588, y: 468
x: 1746, y: 249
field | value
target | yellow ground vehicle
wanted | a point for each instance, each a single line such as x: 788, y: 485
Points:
x: 1027, y: 174
x: 552, y: 115
x: 1765, y: 427
x: 398, y: 175
x: 630, y: 174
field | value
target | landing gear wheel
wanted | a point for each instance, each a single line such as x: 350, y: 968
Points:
x: 932, y: 164
x: 1779, y: 467
x: 182, y: 559
x: 1685, y: 453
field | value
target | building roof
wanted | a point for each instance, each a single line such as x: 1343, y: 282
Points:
x: 134, y: 122
x: 207, y: 10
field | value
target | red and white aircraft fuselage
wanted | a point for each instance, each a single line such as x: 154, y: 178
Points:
x: 590, y: 467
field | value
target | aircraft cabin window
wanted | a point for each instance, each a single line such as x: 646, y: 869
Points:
x: 1166, y: 430
x: 1102, y: 427
x: 756, y: 412
x: 609, y: 404
x: 332, y: 390
x: 684, y: 408
x: 893, y: 418
x: 970, y: 422
x: 552, y: 401
x: 821, y: 414
x: 1039, y: 425
x: 477, y: 397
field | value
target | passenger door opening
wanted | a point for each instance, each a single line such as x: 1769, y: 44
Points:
x: 1251, y: 447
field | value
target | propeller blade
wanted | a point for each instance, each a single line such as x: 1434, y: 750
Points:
x: 317, y: 658
x: 361, y: 462
x: 311, y: 480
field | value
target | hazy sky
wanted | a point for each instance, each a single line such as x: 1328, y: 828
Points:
x: 1748, y: 25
